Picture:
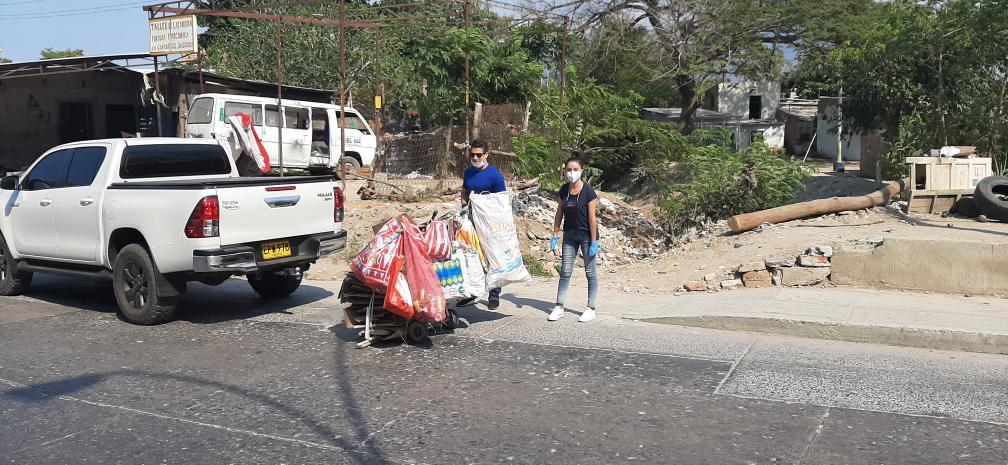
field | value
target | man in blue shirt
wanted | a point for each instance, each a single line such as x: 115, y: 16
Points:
x: 481, y: 178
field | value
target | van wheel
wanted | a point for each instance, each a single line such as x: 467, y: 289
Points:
x: 274, y: 285
x: 11, y: 282
x: 350, y: 164
x: 135, y: 285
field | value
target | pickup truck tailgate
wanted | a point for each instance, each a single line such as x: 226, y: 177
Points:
x: 292, y: 208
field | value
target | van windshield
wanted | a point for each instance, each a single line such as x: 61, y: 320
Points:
x: 201, y: 111
x: 169, y: 160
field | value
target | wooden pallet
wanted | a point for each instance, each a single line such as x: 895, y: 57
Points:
x: 932, y: 202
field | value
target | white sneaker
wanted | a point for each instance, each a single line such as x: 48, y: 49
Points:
x: 587, y: 315
x: 556, y: 314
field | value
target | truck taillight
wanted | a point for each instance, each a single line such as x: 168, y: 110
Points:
x: 205, y: 219
x: 337, y: 204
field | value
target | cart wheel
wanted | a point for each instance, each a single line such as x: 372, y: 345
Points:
x: 417, y: 332
x: 451, y: 320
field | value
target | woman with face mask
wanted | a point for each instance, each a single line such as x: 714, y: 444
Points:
x: 577, y: 214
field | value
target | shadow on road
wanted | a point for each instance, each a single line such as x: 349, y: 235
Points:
x: 203, y: 304
x: 359, y: 446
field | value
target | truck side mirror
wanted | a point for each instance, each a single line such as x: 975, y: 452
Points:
x: 9, y: 183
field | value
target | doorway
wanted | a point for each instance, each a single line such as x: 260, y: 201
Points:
x: 75, y: 122
x: 120, y: 121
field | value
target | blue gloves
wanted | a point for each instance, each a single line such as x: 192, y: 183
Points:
x: 593, y: 249
x: 554, y: 242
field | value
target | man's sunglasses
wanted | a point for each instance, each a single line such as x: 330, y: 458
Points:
x: 476, y: 154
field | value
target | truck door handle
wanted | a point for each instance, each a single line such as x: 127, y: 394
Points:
x: 45, y: 202
x: 283, y: 201
x: 86, y: 202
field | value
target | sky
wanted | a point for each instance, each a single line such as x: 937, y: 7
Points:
x: 97, y: 26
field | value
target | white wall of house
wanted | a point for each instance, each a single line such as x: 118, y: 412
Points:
x: 734, y: 98
x: 827, y: 142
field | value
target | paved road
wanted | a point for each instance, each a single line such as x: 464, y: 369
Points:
x: 236, y: 381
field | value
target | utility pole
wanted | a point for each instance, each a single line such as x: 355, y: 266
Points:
x: 563, y: 59
x: 342, y: 88
x: 839, y: 166
x: 280, y: 110
x: 157, y: 94
x: 379, y: 90
x: 467, y: 12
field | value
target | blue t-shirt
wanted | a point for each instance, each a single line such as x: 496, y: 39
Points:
x: 482, y: 181
x: 575, y: 207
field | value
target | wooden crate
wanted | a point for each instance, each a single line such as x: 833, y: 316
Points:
x: 937, y: 183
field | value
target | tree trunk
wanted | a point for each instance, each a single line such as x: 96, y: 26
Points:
x: 690, y: 101
x: 747, y: 221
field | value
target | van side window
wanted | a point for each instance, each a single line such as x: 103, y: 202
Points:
x: 50, y: 172
x: 272, y: 116
x: 201, y: 111
x: 252, y: 109
x: 354, y: 121
x: 295, y: 118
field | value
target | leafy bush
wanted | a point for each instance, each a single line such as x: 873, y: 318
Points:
x: 719, y: 137
x: 537, y: 157
x: 723, y: 183
x: 911, y: 141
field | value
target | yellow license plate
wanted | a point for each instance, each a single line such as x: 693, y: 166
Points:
x: 278, y: 249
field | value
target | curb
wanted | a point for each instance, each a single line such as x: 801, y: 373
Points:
x: 936, y: 339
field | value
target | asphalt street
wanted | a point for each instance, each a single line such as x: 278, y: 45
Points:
x: 238, y: 381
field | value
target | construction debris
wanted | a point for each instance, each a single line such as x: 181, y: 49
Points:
x: 625, y: 235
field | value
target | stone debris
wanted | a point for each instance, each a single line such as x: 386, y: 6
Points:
x: 759, y: 278
x: 779, y: 262
x: 710, y: 277
x: 821, y: 250
x: 754, y: 266
x: 814, y: 261
x: 730, y: 284
x: 695, y: 286
x: 625, y: 234
x: 801, y: 276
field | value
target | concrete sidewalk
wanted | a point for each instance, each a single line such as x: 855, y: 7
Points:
x: 936, y: 321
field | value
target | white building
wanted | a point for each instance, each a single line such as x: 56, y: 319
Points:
x: 749, y: 100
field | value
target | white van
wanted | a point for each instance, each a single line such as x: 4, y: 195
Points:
x: 310, y: 130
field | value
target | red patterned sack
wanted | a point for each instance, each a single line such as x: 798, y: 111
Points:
x: 373, y: 265
x: 438, y: 239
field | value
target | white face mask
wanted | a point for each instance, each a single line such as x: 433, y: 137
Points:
x: 573, y: 176
x: 478, y: 164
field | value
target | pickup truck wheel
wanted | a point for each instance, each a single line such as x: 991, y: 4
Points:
x: 11, y: 282
x: 134, y: 282
x: 274, y: 285
x: 351, y: 165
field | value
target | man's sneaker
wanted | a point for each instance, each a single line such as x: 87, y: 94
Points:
x: 587, y: 315
x: 465, y: 302
x: 493, y: 302
x: 556, y: 314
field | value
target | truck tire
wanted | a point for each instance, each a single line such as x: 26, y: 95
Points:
x: 11, y: 282
x: 352, y: 166
x: 992, y: 197
x: 274, y: 285
x: 135, y: 285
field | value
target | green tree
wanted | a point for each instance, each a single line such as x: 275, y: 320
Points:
x: 936, y: 69
x: 5, y: 60
x: 49, y: 53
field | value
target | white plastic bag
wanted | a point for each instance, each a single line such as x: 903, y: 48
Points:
x: 491, y: 213
x: 473, y: 277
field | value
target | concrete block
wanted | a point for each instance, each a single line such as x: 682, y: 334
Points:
x: 937, y: 265
x: 729, y: 284
x: 814, y: 261
x: 753, y: 266
x: 757, y: 279
x: 821, y: 250
x: 695, y: 286
x: 803, y: 276
x: 779, y: 262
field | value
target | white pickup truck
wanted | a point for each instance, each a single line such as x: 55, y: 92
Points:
x: 154, y: 214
